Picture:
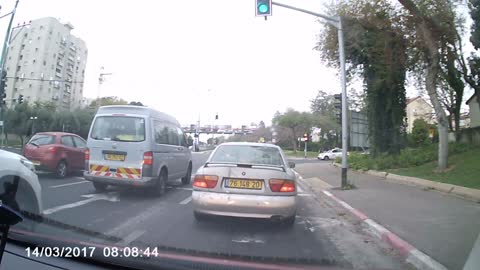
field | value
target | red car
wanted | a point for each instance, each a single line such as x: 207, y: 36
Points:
x: 57, y: 152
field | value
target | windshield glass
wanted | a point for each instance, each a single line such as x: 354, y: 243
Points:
x: 271, y: 133
x: 256, y: 155
x: 42, y: 139
x: 119, y: 128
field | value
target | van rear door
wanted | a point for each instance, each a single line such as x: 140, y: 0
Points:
x: 117, y: 143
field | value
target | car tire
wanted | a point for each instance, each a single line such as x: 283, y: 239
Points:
x: 100, y: 187
x: 326, y: 158
x: 161, y: 184
x: 61, y: 171
x: 186, y: 179
x: 199, y: 216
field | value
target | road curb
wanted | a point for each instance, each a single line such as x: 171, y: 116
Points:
x: 463, y: 192
x: 411, y: 254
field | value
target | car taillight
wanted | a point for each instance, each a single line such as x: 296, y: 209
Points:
x: 205, y: 181
x: 281, y: 185
x: 148, y: 158
x: 52, y: 149
x: 87, y: 154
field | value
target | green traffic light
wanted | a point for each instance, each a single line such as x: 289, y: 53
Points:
x: 262, y: 8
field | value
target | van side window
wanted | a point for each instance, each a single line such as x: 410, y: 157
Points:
x: 173, y: 135
x: 181, y: 137
x: 161, y: 132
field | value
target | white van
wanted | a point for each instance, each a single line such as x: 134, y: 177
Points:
x: 136, y: 146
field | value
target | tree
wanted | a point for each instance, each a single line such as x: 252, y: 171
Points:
x: 261, y: 124
x: 296, y: 122
x: 104, y: 101
x: 375, y: 50
x: 17, y: 121
x: 323, y: 104
x: 420, y: 131
x: 135, y: 103
x: 432, y: 23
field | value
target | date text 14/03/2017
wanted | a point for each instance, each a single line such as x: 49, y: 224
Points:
x: 79, y: 252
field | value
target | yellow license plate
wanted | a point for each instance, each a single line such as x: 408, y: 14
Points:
x: 244, y: 184
x: 115, y: 157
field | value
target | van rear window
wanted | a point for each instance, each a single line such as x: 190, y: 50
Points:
x: 118, y: 128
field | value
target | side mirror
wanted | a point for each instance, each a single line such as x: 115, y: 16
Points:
x: 291, y: 164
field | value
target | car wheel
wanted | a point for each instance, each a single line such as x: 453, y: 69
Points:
x: 326, y: 158
x: 186, y: 178
x: 61, y: 170
x: 199, y: 216
x: 100, y: 187
x: 161, y: 185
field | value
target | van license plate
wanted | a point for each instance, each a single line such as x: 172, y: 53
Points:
x: 115, y: 157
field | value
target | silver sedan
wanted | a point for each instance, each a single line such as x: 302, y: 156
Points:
x: 246, y: 180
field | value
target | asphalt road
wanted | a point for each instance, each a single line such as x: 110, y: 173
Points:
x: 324, y: 233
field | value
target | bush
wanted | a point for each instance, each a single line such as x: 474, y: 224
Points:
x: 419, y: 134
x: 408, y: 157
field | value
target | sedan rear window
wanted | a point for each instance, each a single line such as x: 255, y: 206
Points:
x: 247, y: 154
x: 42, y: 139
x: 119, y: 128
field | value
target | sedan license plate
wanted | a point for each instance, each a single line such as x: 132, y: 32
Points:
x: 115, y: 157
x: 243, y: 184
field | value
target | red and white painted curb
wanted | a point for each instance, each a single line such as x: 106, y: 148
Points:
x: 412, y: 255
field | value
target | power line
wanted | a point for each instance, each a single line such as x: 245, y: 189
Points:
x: 43, y: 80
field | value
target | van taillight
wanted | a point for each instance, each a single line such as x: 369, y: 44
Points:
x: 87, y: 154
x: 148, y: 158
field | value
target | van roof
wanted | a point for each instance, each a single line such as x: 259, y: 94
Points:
x: 138, y: 110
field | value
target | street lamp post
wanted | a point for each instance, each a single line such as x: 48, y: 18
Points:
x: 337, y: 23
x: 101, y: 79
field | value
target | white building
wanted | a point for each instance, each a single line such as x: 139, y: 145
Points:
x: 45, y: 62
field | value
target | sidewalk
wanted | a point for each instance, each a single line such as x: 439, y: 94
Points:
x: 440, y: 225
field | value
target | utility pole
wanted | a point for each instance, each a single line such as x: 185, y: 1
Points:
x: 337, y: 23
x: 3, y: 60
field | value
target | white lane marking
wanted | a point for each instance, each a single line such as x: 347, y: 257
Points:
x: 95, y: 197
x: 248, y: 239
x: 183, y: 188
x: 327, y: 193
x: 70, y: 184
x: 79, y: 177
x: 130, y: 238
x: 187, y: 200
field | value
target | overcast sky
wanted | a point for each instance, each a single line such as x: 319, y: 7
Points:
x: 195, y: 58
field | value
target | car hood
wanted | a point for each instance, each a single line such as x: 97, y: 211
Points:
x: 6, y: 154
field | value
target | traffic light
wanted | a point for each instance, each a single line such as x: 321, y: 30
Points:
x: 3, y: 82
x: 305, y: 137
x: 20, y: 99
x: 216, y: 116
x: 338, y: 107
x: 3, y: 96
x: 263, y: 8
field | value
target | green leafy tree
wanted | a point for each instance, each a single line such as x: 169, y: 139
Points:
x: 105, y: 101
x: 297, y: 123
x: 419, y: 135
x: 375, y: 50
x: 17, y: 121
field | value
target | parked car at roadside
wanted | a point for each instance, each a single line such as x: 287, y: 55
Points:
x: 57, y: 152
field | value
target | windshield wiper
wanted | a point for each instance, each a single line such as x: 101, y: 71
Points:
x: 34, y: 143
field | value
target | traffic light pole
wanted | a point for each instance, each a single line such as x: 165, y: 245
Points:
x: 337, y: 23
x: 3, y: 60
